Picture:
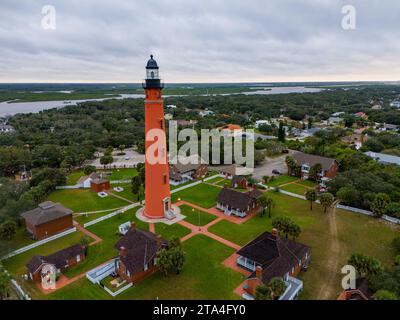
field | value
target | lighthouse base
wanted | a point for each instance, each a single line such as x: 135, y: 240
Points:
x: 177, y: 216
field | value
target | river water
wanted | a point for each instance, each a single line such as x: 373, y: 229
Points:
x: 8, y: 109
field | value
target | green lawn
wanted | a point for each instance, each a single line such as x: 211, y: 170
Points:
x: 16, y: 265
x: 127, y: 193
x: 193, y: 216
x: 74, y: 176
x: 225, y: 182
x: 203, y: 195
x: 21, y: 239
x: 80, y: 200
x: 216, y: 179
x: 104, y: 251
x: 172, y: 187
x: 279, y: 180
x: 307, y: 183
x: 84, y: 218
x: 295, y: 188
x: 120, y: 174
x: 168, y: 232
x: 203, y: 277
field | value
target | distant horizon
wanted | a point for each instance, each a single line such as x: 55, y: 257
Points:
x: 211, y: 83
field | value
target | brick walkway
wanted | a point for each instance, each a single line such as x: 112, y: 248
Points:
x: 204, y: 230
x: 96, y: 238
x: 152, y: 228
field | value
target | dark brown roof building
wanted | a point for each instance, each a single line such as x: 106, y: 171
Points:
x: 137, y: 251
x: 61, y: 260
x: 276, y: 256
x: 238, y: 203
x: 45, y: 212
x: 47, y: 219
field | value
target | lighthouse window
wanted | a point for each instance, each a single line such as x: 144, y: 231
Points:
x: 161, y: 124
x: 165, y: 179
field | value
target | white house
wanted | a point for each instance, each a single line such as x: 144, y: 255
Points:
x: 261, y: 123
x: 205, y: 113
x: 395, y: 104
x: 5, y: 128
x: 84, y: 182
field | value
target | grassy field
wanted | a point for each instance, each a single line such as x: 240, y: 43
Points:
x: 171, y: 231
x: 225, y: 182
x: 308, y: 183
x: 21, y: 239
x: 120, y: 174
x: 74, y: 176
x: 126, y: 193
x: 279, y: 180
x: 203, y: 195
x: 203, y: 277
x: 193, y: 216
x: 355, y: 232
x: 16, y: 265
x: 84, y: 218
x: 216, y: 179
x: 80, y: 200
x: 295, y: 188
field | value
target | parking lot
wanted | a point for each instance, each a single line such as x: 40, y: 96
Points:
x: 129, y: 160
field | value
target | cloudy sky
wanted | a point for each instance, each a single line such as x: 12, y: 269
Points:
x: 199, y: 41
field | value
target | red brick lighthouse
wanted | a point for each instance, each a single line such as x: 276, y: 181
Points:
x: 157, y: 193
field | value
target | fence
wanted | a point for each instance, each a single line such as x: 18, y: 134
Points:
x: 118, y: 291
x: 18, y: 289
x: 38, y: 243
x: 195, y: 183
x: 339, y: 206
x: 110, y: 215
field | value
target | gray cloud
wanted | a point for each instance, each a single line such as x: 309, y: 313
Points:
x: 199, y: 41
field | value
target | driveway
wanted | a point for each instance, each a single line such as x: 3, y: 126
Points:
x: 269, y: 164
x: 129, y: 160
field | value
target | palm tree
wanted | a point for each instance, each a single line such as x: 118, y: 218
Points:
x: 263, y: 203
x: 270, y: 205
x: 294, y: 230
x: 326, y: 200
x: 311, y: 195
x: 277, y: 287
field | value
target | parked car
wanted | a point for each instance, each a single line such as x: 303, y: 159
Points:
x: 285, y: 151
x: 276, y: 171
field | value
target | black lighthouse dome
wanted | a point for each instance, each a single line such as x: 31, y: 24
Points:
x: 151, y: 64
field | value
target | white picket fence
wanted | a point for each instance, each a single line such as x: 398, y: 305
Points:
x: 38, y: 243
x: 21, y: 293
x: 118, y: 291
x: 110, y: 215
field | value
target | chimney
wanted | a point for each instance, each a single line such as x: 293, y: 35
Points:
x: 133, y: 226
x: 259, y: 272
x: 274, y: 232
x: 122, y: 252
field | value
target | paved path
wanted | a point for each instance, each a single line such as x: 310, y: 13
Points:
x: 119, y: 197
x: 152, y: 227
x: 203, y: 230
x: 96, y: 238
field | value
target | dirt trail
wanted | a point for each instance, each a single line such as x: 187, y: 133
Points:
x: 327, y: 291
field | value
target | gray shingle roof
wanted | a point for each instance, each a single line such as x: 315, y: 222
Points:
x: 45, y: 212
x: 141, y: 247
x: 276, y: 255
x: 59, y: 258
x: 311, y: 159
x: 234, y: 199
